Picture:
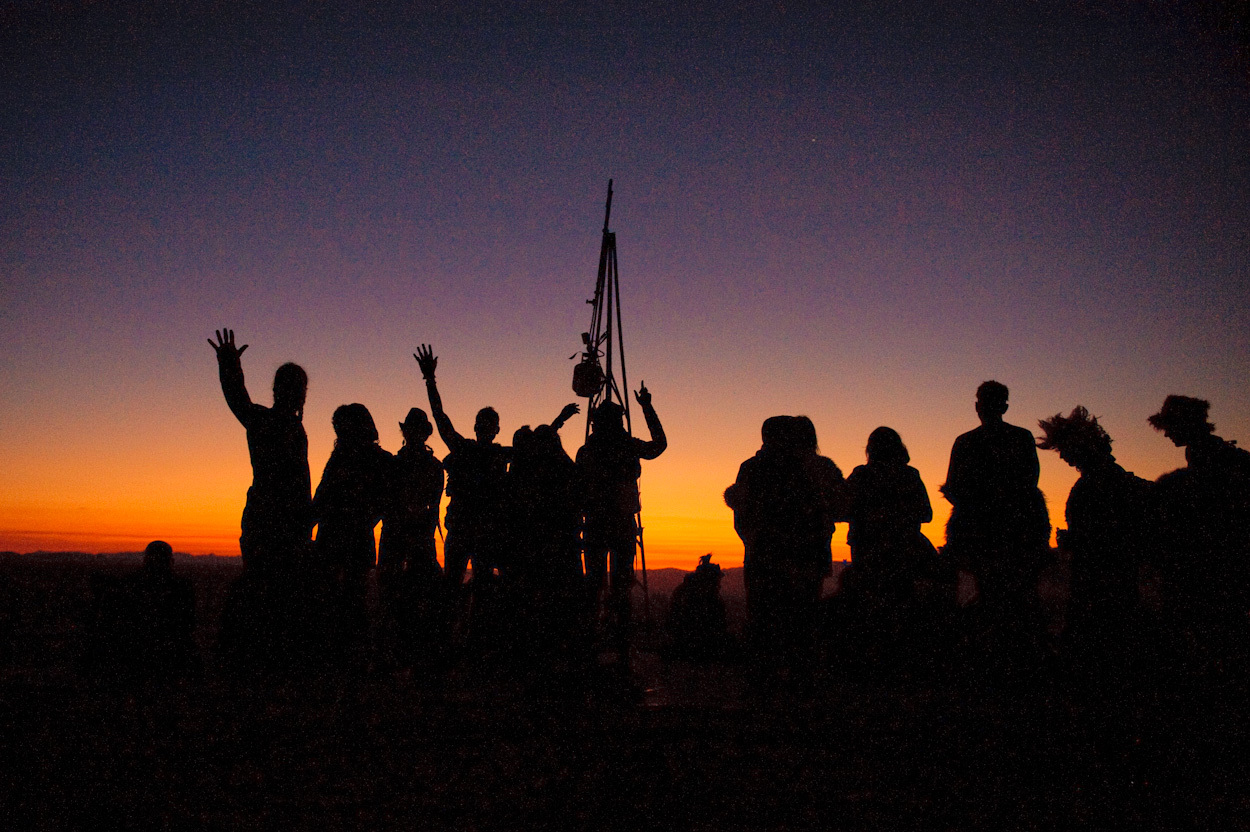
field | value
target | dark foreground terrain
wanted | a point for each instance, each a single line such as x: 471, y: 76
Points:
x: 955, y: 746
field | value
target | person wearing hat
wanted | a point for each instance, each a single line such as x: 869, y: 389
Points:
x: 410, y: 519
x: 409, y: 577
x: 1183, y: 419
x: 1204, y: 526
x: 610, y: 464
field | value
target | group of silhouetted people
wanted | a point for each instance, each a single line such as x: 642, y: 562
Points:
x: 520, y: 520
x: 1191, y: 529
x: 551, y: 540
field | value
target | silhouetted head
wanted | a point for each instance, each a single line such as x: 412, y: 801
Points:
x: 608, y: 417
x: 486, y: 426
x: 522, y: 439
x: 803, y: 434
x: 775, y: 434
x: 1183, y: 419
x: 885, y: 447
x: 1079, y: 439
x: 290, y: 388
x: 547, y: 442
x: 158, y: 557
x: 353, y: 426
x: 991, y: 401
x: 416, y: 427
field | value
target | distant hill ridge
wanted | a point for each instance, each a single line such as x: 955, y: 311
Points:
x: 112, y: 557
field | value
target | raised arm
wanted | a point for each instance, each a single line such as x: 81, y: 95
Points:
x: 428, y: 362
x: 659, y: 442
x: 570, y: 410
x: 230, y: 370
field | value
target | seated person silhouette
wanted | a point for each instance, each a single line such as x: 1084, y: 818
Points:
x: 609, y: 464
x: 1204, y: 523
x: 277, y: 523
x: 143, y: 624
x: 695, y: 628
x: 1109, y: 520
x: 998, y: 528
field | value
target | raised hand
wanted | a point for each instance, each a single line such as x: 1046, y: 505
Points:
x: 643, y: 395
x: 569, y: 411
x: 426, y: 360
x: 225, y: 348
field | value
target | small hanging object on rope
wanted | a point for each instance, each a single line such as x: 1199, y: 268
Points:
x: 588, y: 376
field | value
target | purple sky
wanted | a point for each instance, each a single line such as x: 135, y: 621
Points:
x: 858, y: 215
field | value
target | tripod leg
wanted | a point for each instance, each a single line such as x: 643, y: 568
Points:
x: 646, y: 590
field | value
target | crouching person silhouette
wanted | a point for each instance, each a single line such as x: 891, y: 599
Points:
x: 142, y: 624
x: 609, y: 465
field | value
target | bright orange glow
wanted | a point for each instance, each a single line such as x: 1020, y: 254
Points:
x: 121, y: 482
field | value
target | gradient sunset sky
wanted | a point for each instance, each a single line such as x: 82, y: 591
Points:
x: 855, y: 214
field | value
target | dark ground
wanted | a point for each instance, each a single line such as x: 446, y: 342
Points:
x: 952, y: 747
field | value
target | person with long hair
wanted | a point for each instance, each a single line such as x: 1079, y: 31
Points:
x: 889, y: 503
x: 348, y: 504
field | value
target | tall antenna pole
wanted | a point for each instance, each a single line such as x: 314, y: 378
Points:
x: 595, y: 376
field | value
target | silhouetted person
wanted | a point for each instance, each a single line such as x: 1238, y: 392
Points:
x: 1109, y: 530
x: 475, y: 473
x: 1204, y: 526
x: 545, y: 497
x: 828, y: 478
x: 610, y: 465
x: 277, y: 520
x: 999, y: 527
x: 409, y: 577
x: 348, y: 504
x: 695, y: 629
x: 415, y: 491
x: 889, y: 503
x: 475, y: 483
x: 784, y: 504
x: 143, y: 623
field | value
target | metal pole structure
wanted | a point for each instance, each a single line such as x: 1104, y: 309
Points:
x: 605, y: 347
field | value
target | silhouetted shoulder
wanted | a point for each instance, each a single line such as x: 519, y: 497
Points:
x: 1023, y: 436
